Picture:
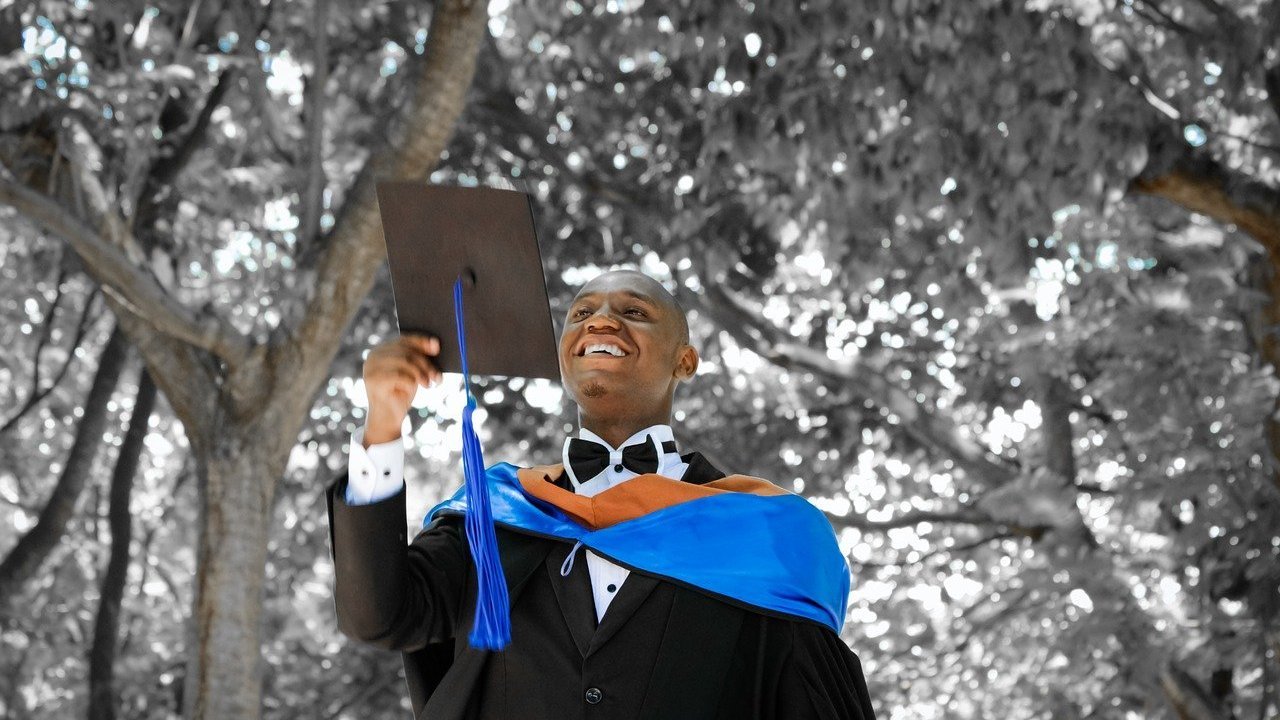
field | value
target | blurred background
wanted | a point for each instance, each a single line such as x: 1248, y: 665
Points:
x: 992, y: 283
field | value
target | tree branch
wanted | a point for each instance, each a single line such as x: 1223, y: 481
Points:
x: 122, y: 280
x: 35, y: 546
x: 495, y: 106
x: 963, y: 516
x: 106, y: 629
x: 167, y: 168
x: 352, y: 251
x: 748, y: 327
x: 1198, y: 182
x: 1220, y: 12
x: 1164, y: 18
x: 1272, y: 81
x: 38, y: 393
x: 950, y: 551
x: 313, y: 192
x: 1190, y: 701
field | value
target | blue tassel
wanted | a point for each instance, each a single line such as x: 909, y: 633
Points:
x: 491, y: 629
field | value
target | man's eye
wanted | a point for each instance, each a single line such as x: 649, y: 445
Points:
x: 578, y: 312
x: 638, y: 311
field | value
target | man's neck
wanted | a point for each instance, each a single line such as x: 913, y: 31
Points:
x: 616, y: 432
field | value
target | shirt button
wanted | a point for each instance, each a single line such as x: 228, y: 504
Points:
x: 612, y: 588
x: 617, y: 468
x: 593, y: 696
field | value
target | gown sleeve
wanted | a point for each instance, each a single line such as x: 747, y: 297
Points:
x: 793, y: 670
x: 387, y: 593
x: 823, y: 678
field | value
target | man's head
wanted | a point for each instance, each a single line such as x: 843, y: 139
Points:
x: 624, y: 348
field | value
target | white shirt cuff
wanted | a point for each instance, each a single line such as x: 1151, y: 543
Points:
x: 375, y: 473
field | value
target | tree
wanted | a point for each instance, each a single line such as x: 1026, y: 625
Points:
x: 91, y: 162
x: 933, y: 289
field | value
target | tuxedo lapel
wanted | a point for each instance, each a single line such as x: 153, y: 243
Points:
x: 631, y: 595
x: 520, y: 555
x: 573, y: 593
x: 700, y: 471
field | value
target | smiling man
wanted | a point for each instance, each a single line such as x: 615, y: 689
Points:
x: 644, y: 581
x: 624, y: 349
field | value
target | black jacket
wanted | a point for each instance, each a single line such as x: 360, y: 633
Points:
x: 662, y: 651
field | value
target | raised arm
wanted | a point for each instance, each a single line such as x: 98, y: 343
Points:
x: 387, y: 592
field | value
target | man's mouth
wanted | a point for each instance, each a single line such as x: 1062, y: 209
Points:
x: 602, y: 350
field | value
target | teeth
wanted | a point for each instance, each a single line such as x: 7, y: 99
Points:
x: 611, y: 349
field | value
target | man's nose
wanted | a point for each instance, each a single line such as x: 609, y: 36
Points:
x: 601, y: 318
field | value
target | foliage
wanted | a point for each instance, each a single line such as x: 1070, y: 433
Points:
x: 896, y: 224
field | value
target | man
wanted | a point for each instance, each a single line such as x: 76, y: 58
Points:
x: 591, y: 638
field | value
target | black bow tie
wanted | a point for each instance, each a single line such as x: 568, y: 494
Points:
x: 588, y: 458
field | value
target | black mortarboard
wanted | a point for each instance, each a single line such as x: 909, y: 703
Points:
x: 436, y: 234
x: 465, y: 267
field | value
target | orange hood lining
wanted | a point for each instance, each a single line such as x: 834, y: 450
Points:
x: 638, y: 496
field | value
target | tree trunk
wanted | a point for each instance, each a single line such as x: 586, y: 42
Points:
x: 237, y: 479
x: 242, y: 442
x: 21, y: 564
x: 106, y: 630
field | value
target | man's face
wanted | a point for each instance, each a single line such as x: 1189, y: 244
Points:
x: 622, y: 349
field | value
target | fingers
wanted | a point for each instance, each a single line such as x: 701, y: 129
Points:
x: 421, y: 347
x: 428, y: 372
x: 407, y: 360
x: 424, y: 343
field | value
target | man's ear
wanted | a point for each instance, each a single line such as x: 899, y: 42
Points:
x: 686, y: 362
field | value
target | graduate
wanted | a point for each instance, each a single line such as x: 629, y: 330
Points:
x: 643, y: 582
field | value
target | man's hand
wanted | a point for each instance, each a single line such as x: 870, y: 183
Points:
x: 392, y: 373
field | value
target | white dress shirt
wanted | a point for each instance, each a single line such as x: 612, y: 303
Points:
x: 377, y: 473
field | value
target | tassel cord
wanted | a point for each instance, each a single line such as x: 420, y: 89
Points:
x: 491, y: 629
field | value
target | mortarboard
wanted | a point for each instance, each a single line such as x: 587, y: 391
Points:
x: 453, y: 246
x: 436, y: 234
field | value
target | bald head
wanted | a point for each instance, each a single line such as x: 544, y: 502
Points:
x: 649, y: 287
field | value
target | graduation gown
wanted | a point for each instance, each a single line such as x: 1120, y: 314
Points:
x: 664, y: 650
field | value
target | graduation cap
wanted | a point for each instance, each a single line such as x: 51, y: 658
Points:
x: 436, y: 234
x: 449, y: 246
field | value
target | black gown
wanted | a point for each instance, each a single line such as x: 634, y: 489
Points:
x: 675, y: 651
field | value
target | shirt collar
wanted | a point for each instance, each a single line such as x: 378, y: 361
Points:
x: 661, y: 433
x: 667, y: 461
